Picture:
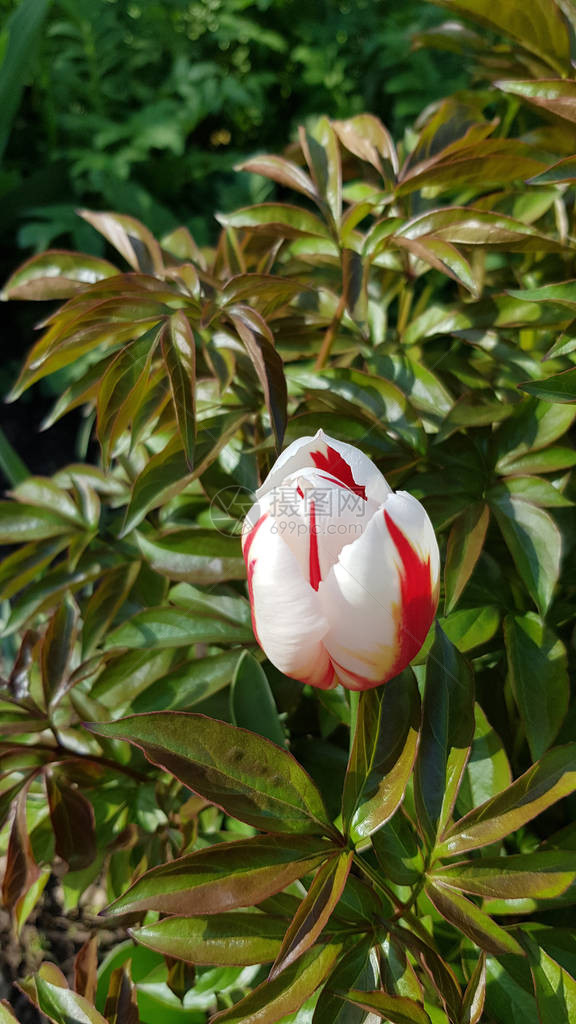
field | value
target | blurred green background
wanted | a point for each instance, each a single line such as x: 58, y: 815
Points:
x: 144, y: 107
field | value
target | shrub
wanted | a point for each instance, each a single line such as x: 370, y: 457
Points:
x: 415, y: 300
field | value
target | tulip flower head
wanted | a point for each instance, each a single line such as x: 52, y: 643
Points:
x: 343, y: 572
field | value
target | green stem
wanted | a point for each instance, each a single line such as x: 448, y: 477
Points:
x: 354, y: 700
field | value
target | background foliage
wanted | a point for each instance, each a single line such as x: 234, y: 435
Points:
x: 412, y: 859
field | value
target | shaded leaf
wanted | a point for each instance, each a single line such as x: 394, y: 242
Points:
x: 173, y: 627
x: 538, y: 673
x: 179, y: 355
x: 465, y: 544
x: 251, y: 701
x: 535, y: 543
x: 559, y: 388
x: 446, y: 736
x: 194, y: 555
x: 72, y: 819
x: 121, y: 1005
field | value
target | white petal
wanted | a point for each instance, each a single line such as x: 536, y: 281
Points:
x: 361, y: 599
x: 381, y: 596
x: 300, y: 455
x: 286, y: 612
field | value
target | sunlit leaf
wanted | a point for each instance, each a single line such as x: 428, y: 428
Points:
x: 249, y: 777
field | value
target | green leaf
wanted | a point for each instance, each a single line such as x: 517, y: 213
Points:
x: 166, y: 473
x: 251, y: 701
x: 320, y: 147
x: 465, y: 544
x: 395, y: 1009
x: 534, y: 489
x: 541, y: 875
x: 559, y: 388
x: 173, y: 627
x: 225, y: 876
x: 235, y: 938
x: 63, y: 1006
x: 258, y: 342
x: 357, y: 969
x: 555, y: 988
x: 467, y: 628
x: 354, y: 391
x: 11, y: 465
x: 55, y: 274
x: 20, y: 523
x: 283, y: 171
x: 534, y: 425
x: 440, y: 974
x: 563, y: 170
x: 467, y: 226
x: 540, y: 29
x: 315, y: 910
x: 554, y: 95
x: 106, y: 601
x: 538, y: 673
x: 131, y: 239
x: 552, y: 778
x: 447, y: 733
x: 186, y: 686
x: 475, y: 994
x: 398, y: 852
x: 57, y: 650
x: 488, y: 771
x: 469, y: 919
x: 442, y: 256
x: 21, y: 33
x: 276, y: 219
x: 72, y: 819
x: 194, y: 555
x: 6, y: 1014
x: 26, y: 563
x: 271, y: 1001
x: 249, y: 777
x: 382, y: 755
x: 179, y: 355
x: 535, y: 543
x: 507, y: 999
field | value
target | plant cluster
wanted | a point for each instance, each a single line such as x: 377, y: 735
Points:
x: 281, y: 853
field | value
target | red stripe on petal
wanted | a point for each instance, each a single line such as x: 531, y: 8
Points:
x: 333, y: 463
x: 314, y: 557
x: 418, y: 598
x: 251, y: 566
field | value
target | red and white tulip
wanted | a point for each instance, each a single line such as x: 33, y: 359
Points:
x: 343, y: 573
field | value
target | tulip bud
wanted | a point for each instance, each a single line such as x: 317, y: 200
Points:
x: 343, y: 573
